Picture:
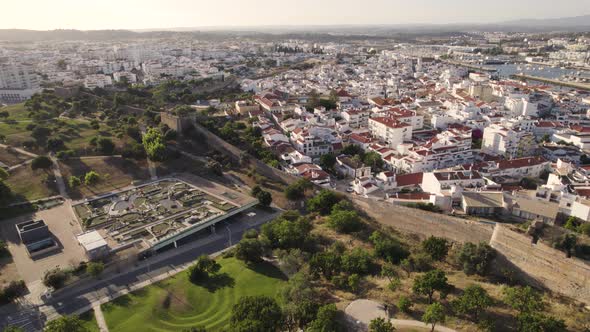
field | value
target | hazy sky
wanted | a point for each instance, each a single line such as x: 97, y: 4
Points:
x: 137, y: 14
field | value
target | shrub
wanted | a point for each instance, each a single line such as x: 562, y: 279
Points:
x: 74, y: 182
x: 476, y: 259
x: 91, y: 178
x: 345, y: 221
x: 95, y: 268
x: 55, y: 278
x: 41, y: 162
x: 436, y: 247
x: 404, y: 304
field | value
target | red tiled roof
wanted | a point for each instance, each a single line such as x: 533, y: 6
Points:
x: 412, y: 179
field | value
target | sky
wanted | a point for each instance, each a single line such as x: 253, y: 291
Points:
x: 145, y: 14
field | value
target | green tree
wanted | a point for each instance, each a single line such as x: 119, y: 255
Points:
x: 431, y: 282
x: 566, y: 242
x: 262, y: 311
x: 523, y: 299
x: 74, y: 181
x: 323, y: 202
x: 345, y: 221
x: 95, y: 268
x: 373, y: 159
x: 476, y: 258
x: 105, y: 146
x: 12, y: 328
x: 436, y: 247
x: 357, y: 261
x: 388, y: 248
x: 537, y: 322
x: 65, y: 324
x: 203, y: 267
x: 5, y: 193
x: 299, y: 299
x: 326, y: 320
x: 154, y: 145
x: 380, y: 325
x: 584, y: 228
x: 249, y: 250
x: 91, y: 178
x: 255, y: 190
x: 434, y: 314
x: 55, y: 278
x: 41, y: 162
x: 473, y: 301
x: 264, y: 198
x: 288, y: 231
x: 327, y: 161
x: 3, y: 174
x: 404, y: 304
x: 296, y: 190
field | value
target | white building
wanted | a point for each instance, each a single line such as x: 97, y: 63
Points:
x: 390, y: 131
x: 17, y: 83
x: 498, y: 140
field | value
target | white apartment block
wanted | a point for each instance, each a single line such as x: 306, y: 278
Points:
x: 390, y: 131
x: 17, y: 83
x: 498, y: 140
x: 125, y: 75
x: 448, y: 149
x: 315, y: 141
x: 97, y: 81
x: 356, y: 118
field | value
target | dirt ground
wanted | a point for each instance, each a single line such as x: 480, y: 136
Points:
x: 115, y: 173
x: 62, y: 224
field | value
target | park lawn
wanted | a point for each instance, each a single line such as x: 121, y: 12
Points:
x: 176, y: 304
x: 89, y: 321
x: 115, y: 173
x: 28, y: 185
x: 16, y: 112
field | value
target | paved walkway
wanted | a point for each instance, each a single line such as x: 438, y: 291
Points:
x: 362, y: 312
x: 59, y: 179
x: 19, y: 150
x: 100, y: 321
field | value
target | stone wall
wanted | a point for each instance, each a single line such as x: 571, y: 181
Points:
x: 236, y: 155
x: 541, y: 265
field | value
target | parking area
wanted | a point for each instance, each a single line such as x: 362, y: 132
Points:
x: 62, y: 225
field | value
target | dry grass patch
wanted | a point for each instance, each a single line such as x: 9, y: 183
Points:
x: 115, y: 173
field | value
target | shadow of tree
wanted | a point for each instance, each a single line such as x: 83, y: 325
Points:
x: 218, y: 281
x: 269, y: 270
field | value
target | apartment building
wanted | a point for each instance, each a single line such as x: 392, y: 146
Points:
x: 511, y: 143
x: 17, y: 83
x: 315, y: 141
x: 390, y: 131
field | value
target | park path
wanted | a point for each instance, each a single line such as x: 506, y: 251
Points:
x: 19, y: 150
x: 362, y: 312
x: 59, y: 179
x: 100, y: 321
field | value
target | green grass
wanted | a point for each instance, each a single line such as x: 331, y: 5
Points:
x: 89, y: 321
x: 176, y: 304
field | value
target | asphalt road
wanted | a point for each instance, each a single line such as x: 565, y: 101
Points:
x: 73, y: 300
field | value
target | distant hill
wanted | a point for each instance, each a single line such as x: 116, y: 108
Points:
x: 564, y: 22
x: 317, y: 32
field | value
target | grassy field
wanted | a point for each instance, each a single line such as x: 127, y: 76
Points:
x: 116, y: 173
x: 10, y: 157
x: 30, y: 185
x: 89, y: 321
x: 176, y: 304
